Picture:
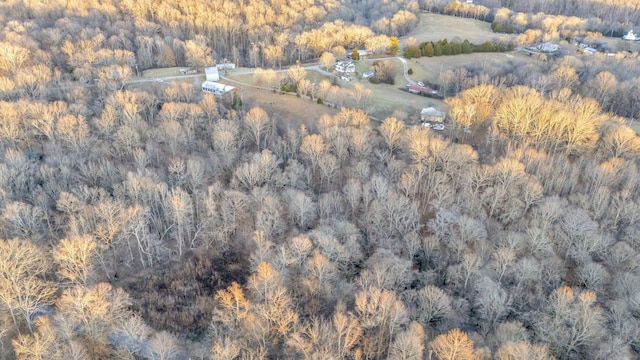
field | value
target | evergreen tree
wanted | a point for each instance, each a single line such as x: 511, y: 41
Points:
x: 427, y: 50
x: 437, y: 49
x: 456, y: 48
x: 467, y: 48
x: 446, y: 49
x: 355, y: 55
x: 496, y: 26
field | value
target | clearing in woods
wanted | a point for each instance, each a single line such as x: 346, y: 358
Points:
x: 428, y: 69
x: 434, y: 27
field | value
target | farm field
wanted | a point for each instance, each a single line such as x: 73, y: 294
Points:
x: 288, y: 110
x: 162, y: 72
x: 429, y: 68
x: 433, y: 27
x: 385, y: 99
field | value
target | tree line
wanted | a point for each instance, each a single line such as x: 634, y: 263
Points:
x: 558, y: 19
x: 444, y: 47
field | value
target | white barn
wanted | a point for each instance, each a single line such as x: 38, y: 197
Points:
x: 212, y: 73
x: 215, y: 88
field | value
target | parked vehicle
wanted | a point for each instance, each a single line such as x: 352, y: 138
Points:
x: 420, y: 83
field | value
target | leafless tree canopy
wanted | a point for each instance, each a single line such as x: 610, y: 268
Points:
x: 138, y: 223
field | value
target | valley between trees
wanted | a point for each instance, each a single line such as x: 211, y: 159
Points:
x: 145, y: 219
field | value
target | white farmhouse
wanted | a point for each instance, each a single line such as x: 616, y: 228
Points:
x: 215, y: 88
x: 212, y: 73
x: 430, y: 114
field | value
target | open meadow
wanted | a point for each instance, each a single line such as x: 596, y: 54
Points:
x: 434, y: 27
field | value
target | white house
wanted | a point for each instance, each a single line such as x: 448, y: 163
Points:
x: 227, y: 66
x: 212, y: 73
x: 548, y: 47
x: 345, y: 66
x: 430, y: 114
x: 215, y: 88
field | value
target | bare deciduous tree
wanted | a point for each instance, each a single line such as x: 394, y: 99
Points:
x: 75, y: 257
x: 453, y: 345
x: 581, y: 314
x: 24, y: 289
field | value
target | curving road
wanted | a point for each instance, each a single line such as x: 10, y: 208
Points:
x: 406, y: 70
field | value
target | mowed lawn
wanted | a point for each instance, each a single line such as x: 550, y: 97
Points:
x: 434, y: 27
x: 386, y: 99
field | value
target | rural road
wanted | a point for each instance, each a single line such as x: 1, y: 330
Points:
x: 246, y: 71
x: 406, y: 70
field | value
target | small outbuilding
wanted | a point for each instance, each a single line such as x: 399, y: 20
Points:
x: 212, y: 73
x: 631, y: 36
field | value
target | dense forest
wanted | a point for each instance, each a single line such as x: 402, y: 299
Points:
x: 147, y: 222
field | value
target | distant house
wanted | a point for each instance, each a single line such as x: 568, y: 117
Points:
x: 345, y: 66
x: 227, y: 66
x: 415, y: 89
x: 631, y: 36
x: 548, y: 47
x: 590, y: 50
x: 431, y: 114
x: 215, y: 88
x: 186, y: 71
x: 212, y: 73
